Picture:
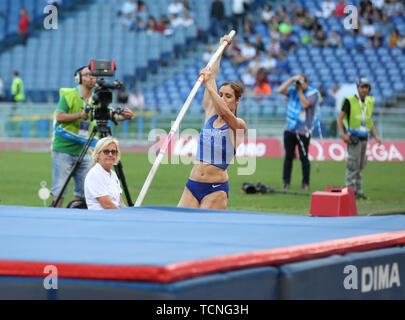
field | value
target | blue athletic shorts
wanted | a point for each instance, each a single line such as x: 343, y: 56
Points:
x: 202, y: 189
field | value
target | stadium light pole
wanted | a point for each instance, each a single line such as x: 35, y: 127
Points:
x: 176, y: 124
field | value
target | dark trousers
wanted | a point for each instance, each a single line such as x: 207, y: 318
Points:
x: 290, y: 142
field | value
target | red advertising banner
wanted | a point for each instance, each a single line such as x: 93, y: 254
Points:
x: 318, y: 150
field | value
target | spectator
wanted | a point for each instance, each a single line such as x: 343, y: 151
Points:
x: 255, y: 65
x: 282, y: 65
x: 176, y: 7
x: 248, y: 28
x: 386, y: 26
x: 273, y: 26
x: 327, y: 9
x: 320, y: 39
x: 363, y: 7
x: 122, y: 96
x: 56, y: 3
x: 136, y: 101
x: 23, y: 29
x: 247, y: 53
x: 376, y: 40
x: 286, y: 44
x: 274, y: 47
x: 330, y: 99
x: 285, y: 27
x: 17, y: 88
x: 267, y: 13
x: 187, y: 21
x: 393, y: 8
x: 378, y: 4
x: 368, y: 29
x: 269, y: 62
x: 258, y: 44
x: 128, y: 7
x: 238, y: 14
x: 377, y: 17
x: 307, y: 38
x: 137, y: 25
x: 369, y: 12
x: 393, y: 39
x: 293, y: 12
x: 176, y: 21
x: 207, y: 55
x: 282, y: 12
x: 186, y: 6
x: 340, y: 9
x: 101, y: 187
x: 161, y: 25
x: 151, y: 25
x: 262, y: 86
x: 308, y: 21
x: 335, y: 40
x: 401, y: 42
x: 322, y: 95
x: 299, y: 16
x: 217, y: 15
x: 142, y: 11
x: 248, y: 78
x: 126, y: 21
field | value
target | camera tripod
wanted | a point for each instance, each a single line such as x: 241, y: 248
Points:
x: 104, y: 131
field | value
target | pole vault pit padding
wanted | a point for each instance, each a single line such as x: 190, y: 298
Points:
x: 172, y: 253
x: 333, y: 202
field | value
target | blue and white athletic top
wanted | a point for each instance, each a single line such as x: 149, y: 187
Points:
x: 215, y: 145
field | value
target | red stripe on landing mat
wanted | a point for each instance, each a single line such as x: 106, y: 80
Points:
x: 191, y: 269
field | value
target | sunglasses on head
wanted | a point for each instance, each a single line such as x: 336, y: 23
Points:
x: 113, y: 152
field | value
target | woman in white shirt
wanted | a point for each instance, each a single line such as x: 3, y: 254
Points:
x: 101, y: 187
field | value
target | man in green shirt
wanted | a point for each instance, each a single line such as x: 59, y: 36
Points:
x: 17, y: 88
x: 72, y: 128
x: 356, y: 117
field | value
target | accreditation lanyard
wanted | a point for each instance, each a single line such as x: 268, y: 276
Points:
x: 363, y: 110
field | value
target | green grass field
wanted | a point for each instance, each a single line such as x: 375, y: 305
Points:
x: 22, y: 173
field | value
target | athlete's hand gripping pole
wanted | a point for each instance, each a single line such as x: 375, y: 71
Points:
x: 176, y: 124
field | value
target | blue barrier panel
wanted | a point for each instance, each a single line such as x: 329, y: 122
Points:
x: 43, y: 128
x: 374, y: 274
x: 25, y: 129
x: 255, y: 283
x: 125, y: 124
x: 140, y: 124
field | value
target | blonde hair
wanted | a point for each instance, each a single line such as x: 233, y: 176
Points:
x: 101, y: 145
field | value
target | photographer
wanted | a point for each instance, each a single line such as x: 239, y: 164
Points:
x: 72, y: 128
x: 302, y: 102
x: 356, y: 117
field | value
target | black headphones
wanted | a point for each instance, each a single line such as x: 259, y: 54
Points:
x: 78, y: 75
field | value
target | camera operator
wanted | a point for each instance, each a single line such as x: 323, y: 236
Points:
x: 72, y: 128
x: 356, y: 117
x: 302, y: 102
